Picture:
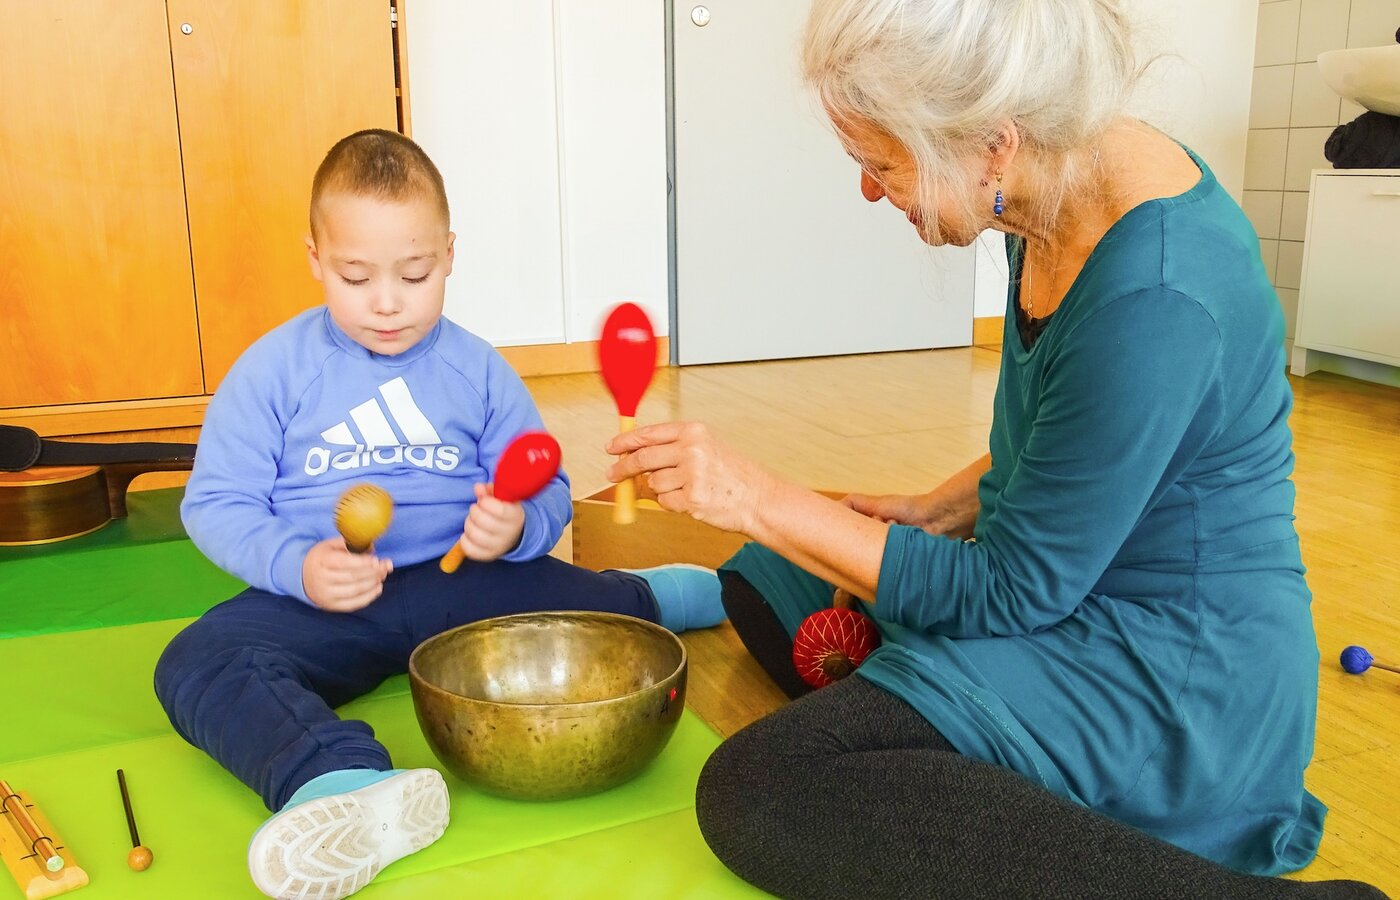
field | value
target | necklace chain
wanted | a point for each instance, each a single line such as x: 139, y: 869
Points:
x: 1026, y: 288
x: 1027, y: 296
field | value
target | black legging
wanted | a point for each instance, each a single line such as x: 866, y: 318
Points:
x: 849, y: 793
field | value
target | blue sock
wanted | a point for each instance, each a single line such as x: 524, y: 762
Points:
x: 340, y: 781
x: 686, y: 596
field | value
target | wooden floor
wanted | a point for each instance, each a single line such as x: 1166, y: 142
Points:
x: 904, y: 421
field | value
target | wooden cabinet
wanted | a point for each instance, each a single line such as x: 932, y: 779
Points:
x: 155, y: 166
x: 96, y: 300
x: 1349, y: 304
x: 265, y: 88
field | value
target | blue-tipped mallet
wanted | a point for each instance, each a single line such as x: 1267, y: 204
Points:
x: 1357, y: 660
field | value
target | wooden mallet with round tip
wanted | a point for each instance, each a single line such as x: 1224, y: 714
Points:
x: 362, y: 514
x: 832, y: 643
x: 140, y: 856
x: 1356, y: 660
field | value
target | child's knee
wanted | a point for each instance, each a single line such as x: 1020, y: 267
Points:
x: 181, y: 656
x: 196, y: 660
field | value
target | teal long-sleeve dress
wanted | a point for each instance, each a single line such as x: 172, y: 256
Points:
x: 1131, y: 626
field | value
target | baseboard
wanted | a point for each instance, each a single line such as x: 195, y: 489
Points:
x: 565, y: 359
x: 987, y: 331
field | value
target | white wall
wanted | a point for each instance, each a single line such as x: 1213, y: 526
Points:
x: 991, y: 276
x: 1198, y: 92
x: 612, y: 90
x: 547, y: 120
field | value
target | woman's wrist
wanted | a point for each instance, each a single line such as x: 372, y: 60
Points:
x: 765, y: 504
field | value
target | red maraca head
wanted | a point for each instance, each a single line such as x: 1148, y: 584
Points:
x: 831, y: 643
x: 627, y: 356
x: 526, y: 466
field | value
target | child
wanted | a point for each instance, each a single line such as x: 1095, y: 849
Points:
x: 375, y: 386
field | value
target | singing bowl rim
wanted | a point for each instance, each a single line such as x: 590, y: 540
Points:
x: 418, y: 679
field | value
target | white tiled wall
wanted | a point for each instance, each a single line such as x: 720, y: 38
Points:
x: 1292, y: 113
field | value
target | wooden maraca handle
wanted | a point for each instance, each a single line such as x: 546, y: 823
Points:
x: 843, y: 599
x: 452, y: 559
x: 625, y: 495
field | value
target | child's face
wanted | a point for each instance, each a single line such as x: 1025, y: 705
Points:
x: 383, y: 265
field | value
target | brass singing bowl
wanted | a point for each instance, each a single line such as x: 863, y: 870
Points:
x: 543, y: 706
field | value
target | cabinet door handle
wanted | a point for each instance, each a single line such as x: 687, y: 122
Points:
x: 1386, y: 194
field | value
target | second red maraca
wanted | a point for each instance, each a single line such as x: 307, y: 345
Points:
x: 528, y: 464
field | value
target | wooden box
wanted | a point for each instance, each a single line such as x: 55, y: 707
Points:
x: 656, y: 538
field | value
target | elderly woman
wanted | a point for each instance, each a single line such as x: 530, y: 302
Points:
x: 1098, y: 675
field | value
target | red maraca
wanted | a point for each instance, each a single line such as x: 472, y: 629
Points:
x: 831, y: 643
x: 627, y: 357
x: 526, y: 466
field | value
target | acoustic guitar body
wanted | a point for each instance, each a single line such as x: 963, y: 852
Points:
x: 54, y: 503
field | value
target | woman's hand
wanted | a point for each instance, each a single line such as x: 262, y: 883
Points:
x: 337, y: 580
x: 493, y: 526
x: 949, y: 510
x: 924, y: 511
x: 692, y: 472
x: 891, y: 509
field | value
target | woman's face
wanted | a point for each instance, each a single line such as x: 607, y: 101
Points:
x: 887, y: 171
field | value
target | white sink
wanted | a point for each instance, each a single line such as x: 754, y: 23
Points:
x: 1369, y: 76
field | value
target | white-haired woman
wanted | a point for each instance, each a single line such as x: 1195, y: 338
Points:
x: 1111, y: 691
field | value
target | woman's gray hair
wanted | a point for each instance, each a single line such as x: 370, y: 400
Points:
x: 943, y: 77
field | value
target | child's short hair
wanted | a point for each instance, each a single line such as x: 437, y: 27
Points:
x: 381, y: 164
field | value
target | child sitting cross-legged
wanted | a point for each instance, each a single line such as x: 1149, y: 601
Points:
x: 373, y: 386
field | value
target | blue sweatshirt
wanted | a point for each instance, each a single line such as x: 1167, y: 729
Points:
x: 306, y: 412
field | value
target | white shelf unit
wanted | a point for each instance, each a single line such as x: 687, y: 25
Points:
x: 1349, y: 302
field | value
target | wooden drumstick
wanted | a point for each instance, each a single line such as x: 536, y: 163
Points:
x: 627, y: 358
x: 362, y: 514
x: 140, y: 857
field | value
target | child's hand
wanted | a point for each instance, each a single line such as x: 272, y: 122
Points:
x: 493, y: 527
x: 337, y: 580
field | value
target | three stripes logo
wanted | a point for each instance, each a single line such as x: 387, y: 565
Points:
x: 378, y: 443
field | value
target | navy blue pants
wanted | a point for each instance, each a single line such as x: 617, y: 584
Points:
x: 255, y: 681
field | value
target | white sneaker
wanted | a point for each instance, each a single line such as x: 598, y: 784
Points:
x: 329, y: 847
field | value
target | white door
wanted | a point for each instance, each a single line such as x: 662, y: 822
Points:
x: 777, y: 253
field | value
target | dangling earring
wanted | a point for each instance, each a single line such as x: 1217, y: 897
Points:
x: 999, y: 205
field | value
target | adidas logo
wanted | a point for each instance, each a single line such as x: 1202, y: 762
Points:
x: 378, y: 443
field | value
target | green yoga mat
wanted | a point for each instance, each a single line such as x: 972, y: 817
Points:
x: 197, y: 820
x: 138, y: 569
x: 94, y: 711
